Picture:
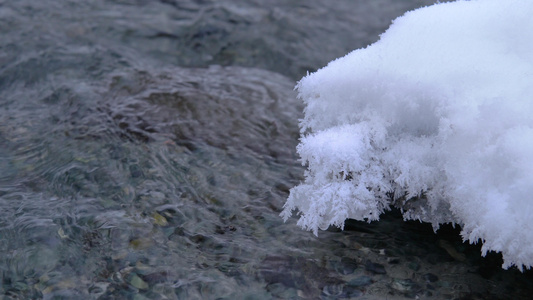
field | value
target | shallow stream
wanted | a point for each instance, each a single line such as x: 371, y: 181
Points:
x: 147, y: 148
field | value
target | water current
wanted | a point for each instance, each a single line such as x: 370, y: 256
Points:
x: 147, y: 148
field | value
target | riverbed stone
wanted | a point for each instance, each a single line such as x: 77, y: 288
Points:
x: 429, y: 277
x: 375, y: 267
x: 360, y: 281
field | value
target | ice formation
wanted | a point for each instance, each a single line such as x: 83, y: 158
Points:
x: 435, y: 118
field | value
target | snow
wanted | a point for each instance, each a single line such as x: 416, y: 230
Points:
x: 435, y: 118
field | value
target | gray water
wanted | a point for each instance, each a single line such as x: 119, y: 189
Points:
x: 147, y: 148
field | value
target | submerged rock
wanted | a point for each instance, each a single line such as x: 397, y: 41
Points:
x: 407, y: 287
x: 429, y: 277
x: 360, y: 281
x: 375, y: 267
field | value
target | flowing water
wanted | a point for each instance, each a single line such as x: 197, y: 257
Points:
x: 147, y: 148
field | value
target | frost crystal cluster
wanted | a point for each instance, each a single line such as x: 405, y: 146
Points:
x: 435, y: 118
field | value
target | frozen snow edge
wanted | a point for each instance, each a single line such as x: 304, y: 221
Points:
x: 435, y: 118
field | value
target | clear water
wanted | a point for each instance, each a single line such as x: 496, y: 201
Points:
x: 147, y: 148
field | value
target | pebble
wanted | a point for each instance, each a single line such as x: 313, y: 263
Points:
x: 360, y: 281
x: 334, y: 290
x: 414, y: 266
x: 137, y: 282
x: 156, y: 277
x: 141, y: 243
x: 281, y: 291
x: 275, y: 269
x: 429, y: 277
x: 135, y: 171
x: 393, y: 260
x: 345, y: 266
x: 406, y: 286
x: 139, y: 297
x: 98, y: 288
x: 452, y: 251
x: 21, y: 286
x: 351, y: 292
x: 375, y: 268
x: 159, y: 219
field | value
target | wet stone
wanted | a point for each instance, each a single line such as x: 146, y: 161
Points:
x: 360, y: 281
x: 21, y: 286
x: 286, y: 270
x: 393, y: 260
x: 140, y: 243
x: 345, y: 266
x: 179, y: 231
x: 375, y: 268
x: 436, y: 258
x: 62, y: 294
x: 340, y: 291
x: 451, y: 250
x: 168, y: 231
x: 281, y: 291
x: 140, y: 297
x: 157, y: 277
x: 135, y: 171
x: 198, y: 238
x: 206, y: 242
x: 31, y: 293
x: 98, y: 288
x: 351, y: 292
x: 224, y: 229
x: 273, y: 276
x: 429, y: 277
x: 414, y: 266
x: 406, y: 286
x: 333, y: 290
x: 159, y: 219
x: 137, y: 282
x: 229, y: 269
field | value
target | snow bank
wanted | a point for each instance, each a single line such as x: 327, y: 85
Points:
x: 435, y: 118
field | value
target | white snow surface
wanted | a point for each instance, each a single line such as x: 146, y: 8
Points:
x: 435, y: 118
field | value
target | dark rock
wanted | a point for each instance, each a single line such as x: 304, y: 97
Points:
x: 430, y: 277
x: 223, y: 229
x: 156, y: 277
x: 414, y: 266
x: 198, y: 238
x: 360, y: 281
x: 393, y: 260
x: 375, y: 268
x: 351, y: 292
x: 406, y: 286
x: 280, y: 269
x: 135, y: 171
x: 345, y: 266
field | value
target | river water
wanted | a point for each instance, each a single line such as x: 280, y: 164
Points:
x: 147, y: 148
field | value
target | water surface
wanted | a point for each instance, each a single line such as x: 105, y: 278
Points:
x: 147, y: 148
